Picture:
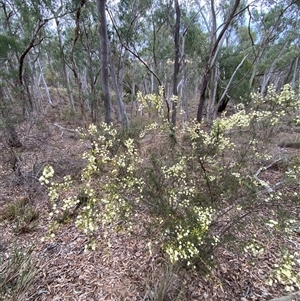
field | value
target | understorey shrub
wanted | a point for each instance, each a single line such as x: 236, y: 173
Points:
x: 197, y: 191
x: 106, y: 191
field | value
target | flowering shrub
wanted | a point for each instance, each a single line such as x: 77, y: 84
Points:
x: 106, y: 185
x: 153, y: 103
x: 195, y: 190
x: 275, y: 109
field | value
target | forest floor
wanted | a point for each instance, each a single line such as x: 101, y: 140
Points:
x: 122, y: 267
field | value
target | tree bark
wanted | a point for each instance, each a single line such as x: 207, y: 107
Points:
x: 184, y: 87
x: 123, y: 118
x: 176, y: 63
x: 12, y: 138
x: 64, y: 66
x: 94, y: 106
x: 104, y: 59
x: 294, y: 80
x: 74, y: 65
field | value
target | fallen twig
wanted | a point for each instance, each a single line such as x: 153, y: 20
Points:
x: 65, y: 129
x: 263, y: 183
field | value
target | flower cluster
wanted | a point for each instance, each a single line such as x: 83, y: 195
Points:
x: 275, y: 108
x: 151, y: 102
x: 184, y: 242
x: 254, y: 248
x: 48, y: 174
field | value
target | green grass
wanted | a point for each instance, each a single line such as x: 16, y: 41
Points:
x: 17, y: 273
x: 23, y: 215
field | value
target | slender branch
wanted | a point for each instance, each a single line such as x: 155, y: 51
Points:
x: 249, y: 32
x: 228, y: 85
x: 136, y: 55
x: 29, y: 47
x: 132, y: 52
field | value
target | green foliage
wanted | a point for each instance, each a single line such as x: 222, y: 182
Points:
x: 195, y: 38
x: 243, y: 37
x: 239, y: 89
x: 7, y: 44
x: 23, y: 214
x: 17, y: 273
x: 195, y: 191
x: 132, y: 28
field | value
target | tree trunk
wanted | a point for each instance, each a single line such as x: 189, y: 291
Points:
x: 44, y: 82
x: 216, y: 43
x: 204, y: 84
x: 34, y: 41
x: 184, y: 86
x: 213, y: 85
x: 134, y: 108
x: 294, y: 80
x: 104, y: 59
x: 64, y: 66
x: 11, y: 135
x: 74, y: 65
x: 123, y: 118
x: 176, y: 63
x: 221, y: 103
x: 94, y: 106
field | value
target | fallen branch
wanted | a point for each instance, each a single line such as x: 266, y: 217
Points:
x: 65, y: 129
x: 262, y: 182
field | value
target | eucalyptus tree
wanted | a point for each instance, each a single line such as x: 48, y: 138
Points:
x: 104, y: 59
x: 138, y: 26
x: 91, y: 63
x: 131, y: 24
x: 276, y: 51
x: 261, y: 52
x: 235, y: 67
x: 193, y: 51
x: 8, y: 46
x: 217, y: 36
x: 78, y: 7
x: 78, y: 54
x: 23, y: 23
x: 176, y: 60
x: 60, y: 25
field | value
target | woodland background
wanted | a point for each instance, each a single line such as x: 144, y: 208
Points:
x: 187, y: 117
